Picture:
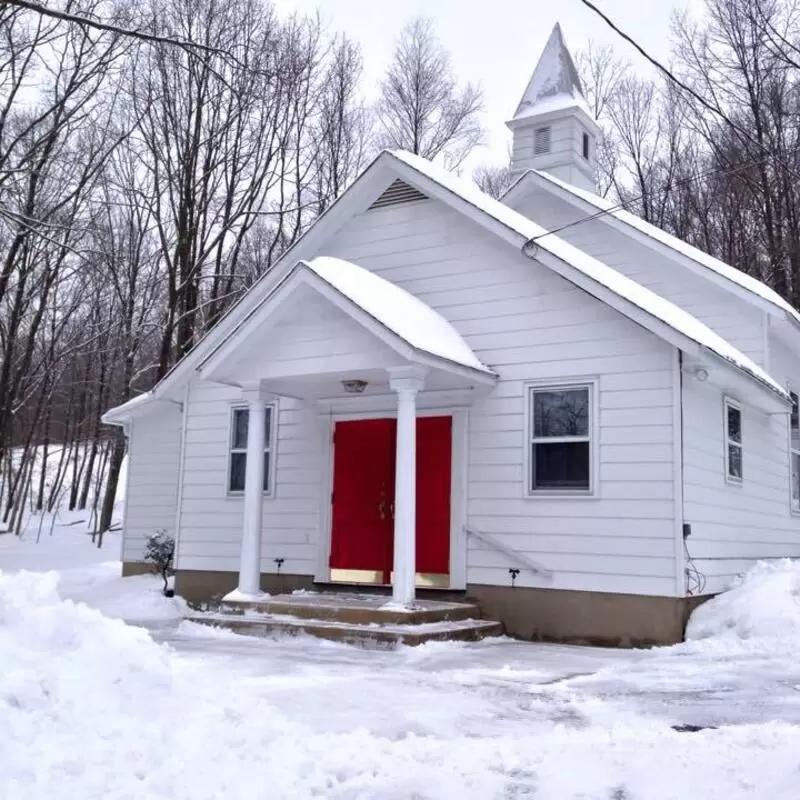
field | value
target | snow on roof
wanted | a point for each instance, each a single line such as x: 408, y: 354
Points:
x: 624, y: 287
x: 555, y: 84
x: 398, y: 310
x: 121, y: 411
x: 673, y: 242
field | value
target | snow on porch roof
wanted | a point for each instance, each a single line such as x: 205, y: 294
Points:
x: 398, y: 310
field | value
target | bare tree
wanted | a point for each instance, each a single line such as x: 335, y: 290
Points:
x: 340, y: 135
x: 601, y: 73
x: 421, y: 106
x: 492, y: 179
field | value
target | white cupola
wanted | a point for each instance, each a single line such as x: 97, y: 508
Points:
x: 553, y: 128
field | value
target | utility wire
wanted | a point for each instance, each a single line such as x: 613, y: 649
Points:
x: 621, y: 206
x: 686, y: 88
x: 89, y: 22
x: 187, y: 45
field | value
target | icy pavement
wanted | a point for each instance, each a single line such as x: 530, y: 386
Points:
x: 97, y: 709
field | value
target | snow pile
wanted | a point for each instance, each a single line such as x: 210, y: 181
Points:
x: 91, y: 708
x: 763, y: 605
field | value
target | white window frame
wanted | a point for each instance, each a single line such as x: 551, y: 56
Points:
x: 793, y: 503
x: 269, y: 447
x: 590, y: 383
x: 544, y: 133
x: 730, y: 403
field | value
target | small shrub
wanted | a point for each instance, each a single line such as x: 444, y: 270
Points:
x: 160, y: 551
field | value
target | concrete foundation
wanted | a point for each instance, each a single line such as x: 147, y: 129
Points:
x: 598, y: 618
x: 136, y: 568
x: 200, y: 587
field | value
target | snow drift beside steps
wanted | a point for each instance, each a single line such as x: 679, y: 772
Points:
x: 764, y: 604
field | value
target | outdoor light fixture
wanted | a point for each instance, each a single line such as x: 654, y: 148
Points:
x: 354, y: 386
x: 701, y: 374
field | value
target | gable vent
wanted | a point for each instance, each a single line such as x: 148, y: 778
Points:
x: 398, y: 192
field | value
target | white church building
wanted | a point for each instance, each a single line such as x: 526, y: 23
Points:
x: 582, y: 431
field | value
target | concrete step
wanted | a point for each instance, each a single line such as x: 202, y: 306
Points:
x: 367, y: 635
x: 356, y: 609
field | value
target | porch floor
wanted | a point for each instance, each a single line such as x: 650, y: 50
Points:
x: 357, y: 618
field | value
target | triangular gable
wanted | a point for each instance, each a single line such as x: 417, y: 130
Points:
x: 401, y: 321
x: 643, y: 306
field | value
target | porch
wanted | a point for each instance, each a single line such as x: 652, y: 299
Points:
x: 389, y: 381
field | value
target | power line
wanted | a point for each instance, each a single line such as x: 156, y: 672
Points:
x: 621, y: 206
x: 107, y: 27
x: 678, y: 82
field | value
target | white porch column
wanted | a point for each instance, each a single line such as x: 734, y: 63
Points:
x: 250, y: 560
x: 406, y: 382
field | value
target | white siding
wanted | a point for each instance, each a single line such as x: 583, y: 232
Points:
x: 529, y: 324
x: 211, y: 519
x: 731, y: 317
x: 152, y: 482
x: 734, y: 525
x: 562, y: 144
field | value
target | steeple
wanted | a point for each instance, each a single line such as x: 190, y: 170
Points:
x: 553, y: 128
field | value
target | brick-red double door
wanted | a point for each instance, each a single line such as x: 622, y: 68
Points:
x: 362, y: 535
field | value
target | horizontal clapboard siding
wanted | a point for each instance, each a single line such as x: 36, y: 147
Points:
x: 152, y: 481
x: 529, y: 324
x: 561, y: 139
x: 733, y: 526
x: 732, y: 318
x: 211, y: 520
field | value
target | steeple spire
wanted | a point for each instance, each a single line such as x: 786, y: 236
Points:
x: 555, y: 83
x: 553, y: 128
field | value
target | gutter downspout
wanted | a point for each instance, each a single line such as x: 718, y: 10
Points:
x: 677, y: 459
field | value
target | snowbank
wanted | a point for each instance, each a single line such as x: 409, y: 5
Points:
x: 764, y: 604
x: 91, y: 708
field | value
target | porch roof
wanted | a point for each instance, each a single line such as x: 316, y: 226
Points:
x: 398, y: 310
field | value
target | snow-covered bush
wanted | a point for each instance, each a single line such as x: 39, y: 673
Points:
x: 160, y: 552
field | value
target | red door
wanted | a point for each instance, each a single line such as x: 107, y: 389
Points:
x: 434, y: 437
x: 363, y: 491
x: 363, y: 496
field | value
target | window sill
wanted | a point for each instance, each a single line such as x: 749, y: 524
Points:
x: 240, y: 495
x: 562, y: 495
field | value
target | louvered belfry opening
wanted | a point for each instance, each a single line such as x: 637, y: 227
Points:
x: 399, y: 192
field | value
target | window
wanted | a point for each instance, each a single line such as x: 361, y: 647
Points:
x: 733, y: 441
x: 560, y: 445
x: 238, y: 449
x: 541, y: 141
x: 794, y: 450
x: 586, y: 146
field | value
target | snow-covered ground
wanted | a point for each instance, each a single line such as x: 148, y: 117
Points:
x: 92, y: 707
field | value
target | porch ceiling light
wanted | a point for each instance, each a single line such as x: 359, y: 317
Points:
x: 354, y: 386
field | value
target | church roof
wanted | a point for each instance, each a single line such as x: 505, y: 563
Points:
x: 595, y: 203
x: 555, y: 84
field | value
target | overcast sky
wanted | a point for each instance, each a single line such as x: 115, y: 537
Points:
x: 495, y: 43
